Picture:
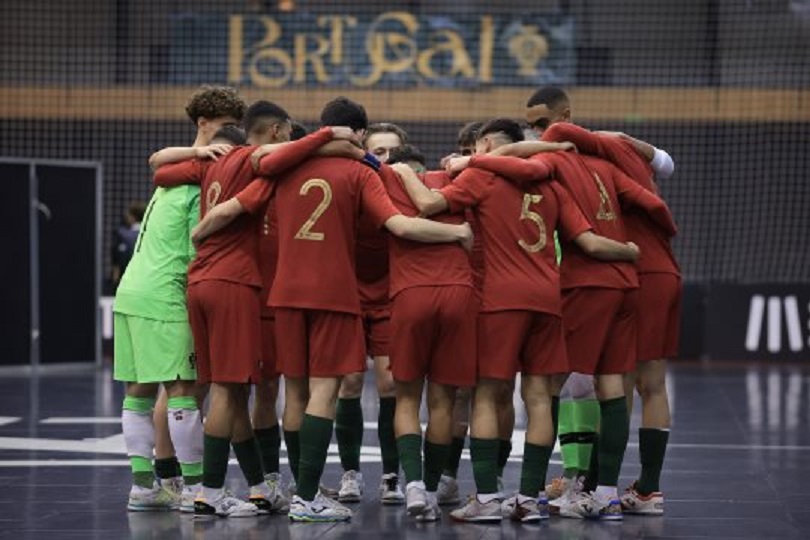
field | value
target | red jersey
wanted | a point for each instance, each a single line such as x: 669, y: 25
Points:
x: 319, y: 205
x: 372, y: 265
x: 654, y: 242
x: 518, y: 225
x: 268, y: 254
x: 417, y: 264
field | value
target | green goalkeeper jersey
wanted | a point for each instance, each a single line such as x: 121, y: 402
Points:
x: 154, y: 284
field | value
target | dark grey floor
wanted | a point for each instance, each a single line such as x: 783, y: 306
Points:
x: 738, y: 467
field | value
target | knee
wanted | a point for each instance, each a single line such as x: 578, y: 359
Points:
x: 385, y: 384
x: 650, y: 387
x: 352, y: 386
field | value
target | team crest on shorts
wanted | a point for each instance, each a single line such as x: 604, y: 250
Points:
x: 192, y: 360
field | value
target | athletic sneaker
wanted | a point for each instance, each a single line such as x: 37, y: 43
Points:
x: 351, y: 487
x: 479, y: 512
x: 587, y: 506
x: 432, y: 512
x: 328, y: 492
x: 557, y: 487
x: 416, y: 498
x: 448, y: 491
x: 154, y: 499
x: 528, y: 511
x: 269, y: 497
x: 390, y: 492
x: 571, y: 493
x: 501, y: 487
x: 320, y: 509
x: 223, y: 505
x: 634, y: 502
x: 187, y: 498
x: 173, y: 485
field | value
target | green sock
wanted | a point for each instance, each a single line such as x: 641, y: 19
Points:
x: 613, y: 440
x: 269, y: 440
x: 504, y: 449
x: 142, y: 472
x: 565, y: 429
x: 349, y: 432
x: 652, y: 447
x: 410, y: 454
x: 485, y: 464
x: 586, y: 422
x: 315, y: 434
x: 385, y: 432
x: 435, y: 461
x: 454, y: 458
x: 168, y: 467
x: 247, y: 454
x: 216, y: 451
x: 534, y: 468
x: 292, y: 441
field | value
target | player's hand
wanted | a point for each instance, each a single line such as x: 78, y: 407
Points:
x: 401, y: 169
x: 634, y: 251
x: 260, y: 152
x: 568, y: 147
x: 457, y: 164
x: 468, y: 238
x: 213, y: 151
x: 344, y: 133
x: 618, y: 134
x: 196, y: 237
x: 445, y: 159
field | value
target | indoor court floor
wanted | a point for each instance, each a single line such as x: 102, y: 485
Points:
x: 738, y: 466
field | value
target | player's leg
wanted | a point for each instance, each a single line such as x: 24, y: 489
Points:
x: 438, y: 441
x: 448, y: 492
x: 506, y: 425
x: 409, y: 442
x: 167, y: 466
x: 246, y: 449
x: 186, y: 429
x: 390, y: 491
x: 268, y: 438
x: 349, y: 435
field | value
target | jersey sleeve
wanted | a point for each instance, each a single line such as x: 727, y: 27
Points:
x: 522, y: 171
x: 585, y: 141
x: 374, y: 200
x: 181, y: 173
x: 630, y: 194
x: 572, y: 221
x: 292, y: 154
x: 436, y: 179
x: 466, y: 191
x: 255, y: 196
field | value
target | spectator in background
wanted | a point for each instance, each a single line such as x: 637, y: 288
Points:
x: 124, y: 238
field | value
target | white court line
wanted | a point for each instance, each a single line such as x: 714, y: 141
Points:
x: 6, y: 420
x: 69, y: 420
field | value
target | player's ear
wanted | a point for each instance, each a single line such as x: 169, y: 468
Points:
x: 566, y: 114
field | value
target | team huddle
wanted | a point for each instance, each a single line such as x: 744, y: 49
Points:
x: 267, y: 252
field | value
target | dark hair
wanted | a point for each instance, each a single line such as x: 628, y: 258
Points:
x: 297, y: 132
x: 468, y: 134
x: 136, y: 210
x: 404, y: 153
x: 232, y: 134
x: 550, y: 96
x: 386, y: 127
x: 342, y: 111
x: 214, y: 102
x: 260, y: 114
x: 508, y: 127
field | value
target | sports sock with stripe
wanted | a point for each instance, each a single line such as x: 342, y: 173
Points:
x: 139, y: 438
x: 186, y: 430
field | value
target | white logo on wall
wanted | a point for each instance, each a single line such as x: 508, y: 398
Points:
x: 777, y: 324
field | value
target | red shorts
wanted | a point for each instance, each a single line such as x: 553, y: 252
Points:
x: 600, y: 330
x: 377, y: 329
x: 315, y: 343
x: 433, y: 335
x: 659, y: 316
x: 529, y: 342
x: 224, y: 318
x: 268, y: 359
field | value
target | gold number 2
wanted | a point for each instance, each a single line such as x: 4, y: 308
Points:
x: 305, y: 233
x: 525, y: 213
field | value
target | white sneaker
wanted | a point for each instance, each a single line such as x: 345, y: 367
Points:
x: 223, y: 505
x: 479, y: 512
x: 431, y: 512
x: 416, y: 498
x: 187, y: 498
x: 527, y: 510
x: 587, y: 506
x: 173, y: 485
x: 448, y: 491
x: 269, y: 497
x: 571, y: 493
x: 320, y: 509
x: 501, y: 488
x: 634, y: 502
x: 154, y: 499
x: 390, y: 491
x: 351, y: 487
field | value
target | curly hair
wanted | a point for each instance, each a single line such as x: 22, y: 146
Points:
x: 214, y: 102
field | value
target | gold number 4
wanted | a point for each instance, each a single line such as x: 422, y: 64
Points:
x: 525, y: 213
x: 305, y: 232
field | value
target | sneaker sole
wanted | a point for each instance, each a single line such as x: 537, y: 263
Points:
x: 417, y: 509
x: 483, y: 519
x: 135, y: 508
x: 643, y: 512
x: 349, y: 498
x: 392, y: 502
x: 305, y: 518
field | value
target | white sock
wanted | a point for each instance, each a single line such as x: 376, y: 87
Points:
x: 139, y: 433
x: 487, y: 497
x: 417, y: 483
x: 605, y: 493
x: 186, y: 430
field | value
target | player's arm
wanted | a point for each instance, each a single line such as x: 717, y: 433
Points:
x: 660, y: 160
x: 605, y: 249
x: 526, y: 149
x: 189, y: 172
x: 630, y: 194
x: 522, y: 171
x: 193, y: 208
x: 427, y: 201
x: 217, y: 219
x: 276, y: 159
x: 175, y: 154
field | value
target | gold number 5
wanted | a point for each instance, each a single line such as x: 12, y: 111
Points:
x: 305, y: 233
x: 525, y: 213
